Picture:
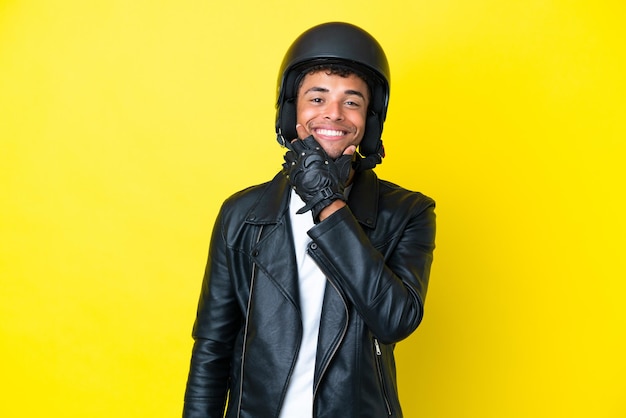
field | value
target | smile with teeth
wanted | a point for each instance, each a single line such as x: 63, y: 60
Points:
x: 329, y: 132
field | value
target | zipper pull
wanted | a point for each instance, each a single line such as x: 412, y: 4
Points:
x: 377, y: 346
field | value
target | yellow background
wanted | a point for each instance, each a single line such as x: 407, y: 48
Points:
x: 124, y: 124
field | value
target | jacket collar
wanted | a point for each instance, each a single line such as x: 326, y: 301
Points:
x: 273, y: 202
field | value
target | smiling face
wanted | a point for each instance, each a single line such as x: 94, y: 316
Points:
x: 333, y: 109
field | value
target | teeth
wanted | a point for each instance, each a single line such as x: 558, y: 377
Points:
x: 329, y: 132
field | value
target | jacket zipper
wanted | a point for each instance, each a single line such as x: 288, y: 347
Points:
x: 343, y: 332
x: 245, y: 334
x: 379, y: 368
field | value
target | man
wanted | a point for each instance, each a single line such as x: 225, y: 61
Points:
x: 314, y: 276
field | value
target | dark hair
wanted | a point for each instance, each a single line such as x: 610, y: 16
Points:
x: 334, y: 69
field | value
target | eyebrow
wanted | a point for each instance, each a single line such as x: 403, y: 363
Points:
x: 325, y: 90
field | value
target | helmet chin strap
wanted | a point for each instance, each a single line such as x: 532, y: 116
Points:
x: 369, y: 161
x: 286, y: 123
x: 282, y: 141
x: 280, y: 138
x: 371, y: 145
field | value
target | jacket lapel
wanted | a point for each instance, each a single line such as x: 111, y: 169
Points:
x: 274, y: 252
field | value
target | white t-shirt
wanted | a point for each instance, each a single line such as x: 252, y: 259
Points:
x: 312, y: 283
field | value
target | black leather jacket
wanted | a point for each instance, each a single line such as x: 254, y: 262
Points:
x: 376, y: 253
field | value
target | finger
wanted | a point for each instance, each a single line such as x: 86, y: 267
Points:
x: 298, y: 146
x: 310, y: 142
x: 290, y: 157
x: 302, y: 132
x: 350, y: 150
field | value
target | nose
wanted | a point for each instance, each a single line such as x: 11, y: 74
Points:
x: 333, y: 110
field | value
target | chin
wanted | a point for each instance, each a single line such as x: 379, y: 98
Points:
x: 333, y: 152
x: 333, y: 149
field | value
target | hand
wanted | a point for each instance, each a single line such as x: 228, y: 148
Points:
x: 315, y: 177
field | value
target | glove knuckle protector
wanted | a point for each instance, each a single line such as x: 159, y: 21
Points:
x: 316, y: 178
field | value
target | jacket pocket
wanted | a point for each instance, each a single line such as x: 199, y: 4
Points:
x: 381, y: 375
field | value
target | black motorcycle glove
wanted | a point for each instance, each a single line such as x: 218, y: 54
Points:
x: 315, y: 177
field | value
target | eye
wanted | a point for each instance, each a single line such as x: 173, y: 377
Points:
x: 316, y: 100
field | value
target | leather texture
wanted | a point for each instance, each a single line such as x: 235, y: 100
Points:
x: 376, y: 254
x: 318, y: 179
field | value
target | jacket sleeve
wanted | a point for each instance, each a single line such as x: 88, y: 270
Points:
x: 214, y: 333
x: 387, y: 284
